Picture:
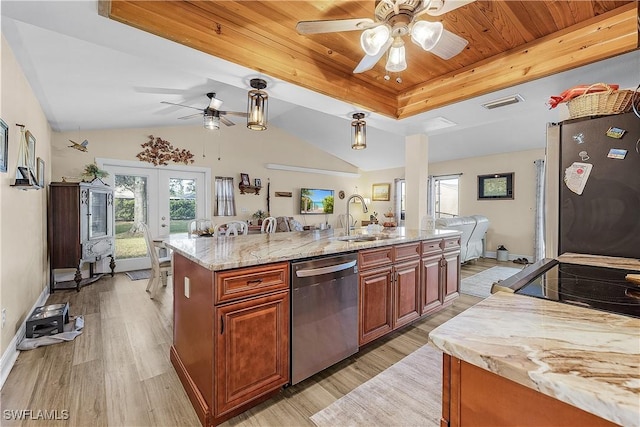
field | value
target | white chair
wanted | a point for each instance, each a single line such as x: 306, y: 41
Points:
x: 233, y: 228
x: 268, y: 225
x: 198, y: 225
x: 160, y: 267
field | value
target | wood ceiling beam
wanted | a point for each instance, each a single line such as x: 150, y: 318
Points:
x: 601, y: 37
x: 190, y: 26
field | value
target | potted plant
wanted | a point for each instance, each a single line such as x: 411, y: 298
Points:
x: 260, y: 215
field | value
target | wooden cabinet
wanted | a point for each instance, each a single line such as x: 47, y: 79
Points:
x: 473, y: 396
x: 389, y: 286
x: 231, y: 336
x: 440, y: 268
x: 251, y: 350
x: 80, y: 229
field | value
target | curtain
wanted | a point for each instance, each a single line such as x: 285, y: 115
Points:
x: 539, y: 218
x: 225, y: 204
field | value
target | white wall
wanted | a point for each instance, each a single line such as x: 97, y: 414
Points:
x: 23, y: 214
x: 228, y: 152
x: 512, y: 221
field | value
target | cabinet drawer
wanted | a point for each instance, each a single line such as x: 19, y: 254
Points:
x: 431, y: 247
x: 371, y: 258
x: 406, y: 252
x: 451, y: 244
x: 245, y: 282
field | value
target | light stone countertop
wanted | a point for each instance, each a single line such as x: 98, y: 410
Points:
x: 587, y: 358
x: 223, y: 253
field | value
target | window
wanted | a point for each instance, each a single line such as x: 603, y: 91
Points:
x: 443, y: 196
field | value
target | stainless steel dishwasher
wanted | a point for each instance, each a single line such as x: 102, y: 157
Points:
x: 324, y: 313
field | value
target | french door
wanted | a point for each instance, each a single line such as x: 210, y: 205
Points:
x: 166, y: 199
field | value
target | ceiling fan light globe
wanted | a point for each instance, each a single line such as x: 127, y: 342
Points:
x: 397, y: 61
x: 211, y: 122
x: 426, y: 34
x: 373, y: 39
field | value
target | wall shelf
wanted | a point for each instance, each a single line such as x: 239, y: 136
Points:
x: 244, y: 189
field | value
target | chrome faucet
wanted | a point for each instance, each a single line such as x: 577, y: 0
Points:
x: 364, y: 209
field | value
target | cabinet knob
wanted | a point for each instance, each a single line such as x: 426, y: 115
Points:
x: 163, y: 225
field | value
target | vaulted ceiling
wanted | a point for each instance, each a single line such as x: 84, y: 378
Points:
x: 510, y: 42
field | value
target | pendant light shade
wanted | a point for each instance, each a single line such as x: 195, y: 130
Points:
x: 257, y: 105
x: 397, y: 61
x: 358, y: 132
x: 373, y: 39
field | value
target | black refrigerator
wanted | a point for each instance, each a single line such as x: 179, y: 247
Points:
x: 594, y: 164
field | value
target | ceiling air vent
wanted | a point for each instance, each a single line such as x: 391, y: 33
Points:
x: 502, y: 102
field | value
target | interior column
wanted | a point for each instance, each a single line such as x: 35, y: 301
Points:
x: 416, y: 179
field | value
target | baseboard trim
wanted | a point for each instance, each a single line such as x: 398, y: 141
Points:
x: 10, y: 355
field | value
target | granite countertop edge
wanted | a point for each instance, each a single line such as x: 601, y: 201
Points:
x: 557, y: 349
x: 224, y: 253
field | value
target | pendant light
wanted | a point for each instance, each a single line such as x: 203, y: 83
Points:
x: 257, y: 106
x: 359, y: 132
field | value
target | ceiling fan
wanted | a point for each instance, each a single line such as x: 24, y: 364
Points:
x: 393, y: 20
x: 211, y: 113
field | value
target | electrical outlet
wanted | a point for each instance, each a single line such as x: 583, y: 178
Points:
x: 187, y: 287
x: 4, y: 316
x: 243, y: 210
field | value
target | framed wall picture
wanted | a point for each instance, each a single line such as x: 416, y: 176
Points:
x: 380, y: 192
x: 495, y: 186
x: 40, y: 171
x: 4, y: 145
x: 258, y: 182
x: 244, y: 179
x: 31, y: 147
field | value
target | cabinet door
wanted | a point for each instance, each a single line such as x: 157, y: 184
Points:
x: 375, y: 304
x: 252, y: 349
x: 431, y: 290
x: 451, y: 275
x: 406, y: 295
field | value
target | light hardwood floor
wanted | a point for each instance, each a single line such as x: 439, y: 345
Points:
x: 118, y: 373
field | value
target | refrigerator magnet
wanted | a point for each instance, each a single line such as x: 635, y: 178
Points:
x: 576, y: 176
x: 615, y: 132
x: 617, y: 153
x: 579, y: 138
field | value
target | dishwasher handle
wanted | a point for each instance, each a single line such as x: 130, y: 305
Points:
x: 325, y: 270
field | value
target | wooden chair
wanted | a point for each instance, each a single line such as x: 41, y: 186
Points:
x: 160, y: 267
x: 268, y: 225
x: 232, y: 228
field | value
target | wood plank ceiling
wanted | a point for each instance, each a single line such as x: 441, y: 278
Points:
x: 510, y: 42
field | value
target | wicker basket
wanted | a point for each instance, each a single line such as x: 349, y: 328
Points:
x: 600, y: 103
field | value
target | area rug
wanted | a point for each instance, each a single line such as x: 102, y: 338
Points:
x: 139, y: 274
x: 479, y: 285
x: 409, y: 393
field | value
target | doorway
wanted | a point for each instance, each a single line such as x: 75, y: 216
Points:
x: 166, y: 199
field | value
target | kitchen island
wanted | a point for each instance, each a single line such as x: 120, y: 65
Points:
x: 517, y: 360
x: 231, y: 303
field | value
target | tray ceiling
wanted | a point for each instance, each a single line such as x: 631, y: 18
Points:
x: 510, y: 42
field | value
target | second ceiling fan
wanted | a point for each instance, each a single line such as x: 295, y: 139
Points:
x: 211, y: 114
x: 393, y: 20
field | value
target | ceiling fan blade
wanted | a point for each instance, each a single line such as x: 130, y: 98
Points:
x: 369, y: 61
x: 190, y: 116
x: 234, y: 113
x: 450, y: 45
x: 335, y: 25
x: 440, y: 7
x: 226, y: 121
x: 181, y: 105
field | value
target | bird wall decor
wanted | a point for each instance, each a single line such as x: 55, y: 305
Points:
x: 81, y: 147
